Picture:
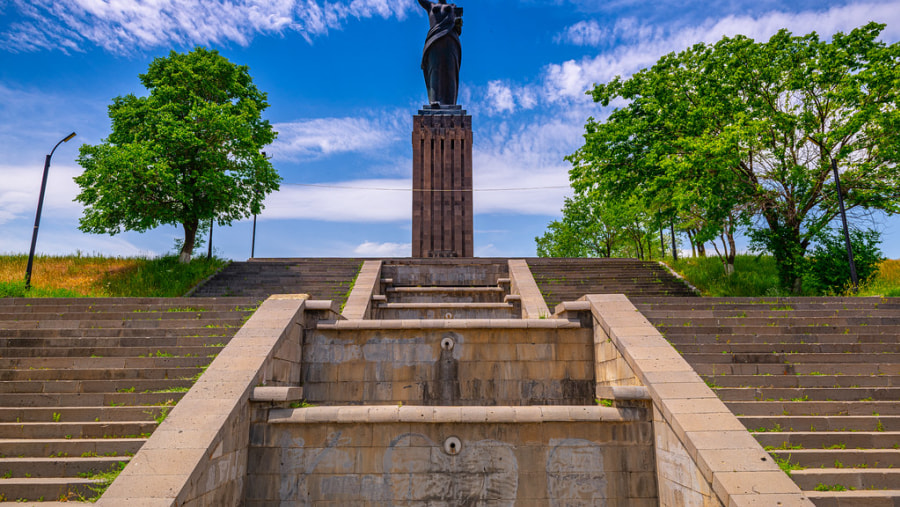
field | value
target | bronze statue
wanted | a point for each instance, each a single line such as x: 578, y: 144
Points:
x: 442, y: 55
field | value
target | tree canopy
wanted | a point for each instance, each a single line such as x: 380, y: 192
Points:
x: 186, y: 154
x: 742, y: 134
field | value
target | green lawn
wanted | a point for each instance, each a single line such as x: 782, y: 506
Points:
x: 756, y: 275
x: 97, y: 276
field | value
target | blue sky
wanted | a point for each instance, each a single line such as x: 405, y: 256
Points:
x: 343, y: 81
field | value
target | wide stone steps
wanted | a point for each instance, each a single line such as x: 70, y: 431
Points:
x: 816, y: 380
x: 846, y: 458
x: 84, y: 383
x: 804, y: 381
x: 835, y: 408
x: 569, y: 279
x: 52, y: 467
x: 821, y: 423
x: 47, y: 374
x: 65, y: 448
x: 81, y: 414
x: 323, y: 279
x: 93, y: 386
x: 62, y: 429
x: 859, y: 479
x: 87, y: 399
x: 47, y: 488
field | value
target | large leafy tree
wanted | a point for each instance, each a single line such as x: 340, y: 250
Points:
x: 743, y: 133
x: 186, y: 154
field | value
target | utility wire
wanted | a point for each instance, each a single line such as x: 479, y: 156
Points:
x: 316, y: 185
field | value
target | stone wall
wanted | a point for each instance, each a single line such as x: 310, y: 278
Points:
x: 505, y: 457
x: 476, y: 362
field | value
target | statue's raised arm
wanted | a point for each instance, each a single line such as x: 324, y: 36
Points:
x: 442, y: 55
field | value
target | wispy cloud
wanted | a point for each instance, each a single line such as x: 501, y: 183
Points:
x: 380, y: 200
x: 124, y: 26
x: 320, y: 137
x: 21, y: 186
x: 638, y: 45
x: 373, y: 249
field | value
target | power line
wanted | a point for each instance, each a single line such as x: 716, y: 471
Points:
x: 344, y: 187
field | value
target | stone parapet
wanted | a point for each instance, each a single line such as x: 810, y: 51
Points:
x: 704, y: 455
x: 198, y: 455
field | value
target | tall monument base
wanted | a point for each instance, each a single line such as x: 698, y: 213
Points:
x: 442, y: 183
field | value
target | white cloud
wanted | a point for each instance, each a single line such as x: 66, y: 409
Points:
x: 381, y: 200
x: 320, y: 137
x: 640, y: 45
x: 372, y: 249
x: 583, y: 33
x: 501, y: 97
x: 123, y: 26
x: 21, y: 188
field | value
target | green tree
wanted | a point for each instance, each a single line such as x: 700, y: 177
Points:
x: 186, y: 154
x: 742, y: 134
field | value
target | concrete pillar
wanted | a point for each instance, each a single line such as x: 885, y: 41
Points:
x: 442, y: 183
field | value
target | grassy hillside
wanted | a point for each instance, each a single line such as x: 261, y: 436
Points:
x: 756, y: 275
x: 96, y: 276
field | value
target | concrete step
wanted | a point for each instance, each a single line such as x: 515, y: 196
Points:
x: 867, y: 498
x: 70, y: 342
x: 67, y: 430
x: 92, y: 386
x: 791, y: 358
x: 47, y: 488
x: 789, y: 348
x: 856, y: 335
x: 829, y: 440
x: 846, y: 458
x: 64, y: 448
x: 80, y: 414
x: 98, y: 374
x: 800, y: 381
x: 808, y: 394
x: 38, y: 363
x: 445, y: 294
x: 874, y: 367
x: 88, y: 400
x: 833, y: 408
x: 446, y: 311
x: 53, y: 467
x: 12, y: 352
x: 822, y: 423
x: 858, y: 479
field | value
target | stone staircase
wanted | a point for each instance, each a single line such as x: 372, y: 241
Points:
x: 816, y: 380
x: 85, y: 382
x: 569, y: 279
x: 324, y: 279
x: 434, y: 290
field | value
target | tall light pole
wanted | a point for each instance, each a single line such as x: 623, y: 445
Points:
x: 837, y: 183
x: 37, y: 216
x: 840, y: 195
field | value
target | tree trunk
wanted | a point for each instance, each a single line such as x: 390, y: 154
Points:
x: 190, y: 236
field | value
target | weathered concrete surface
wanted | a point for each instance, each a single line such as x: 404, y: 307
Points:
x: 522, y: 284
x: 198, y: 456
x: 368, y: 282
x: 705, y: 456
x: 404, y: 464
x: 463, y: 366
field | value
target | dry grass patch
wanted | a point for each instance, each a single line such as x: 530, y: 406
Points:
x: 97, y: 276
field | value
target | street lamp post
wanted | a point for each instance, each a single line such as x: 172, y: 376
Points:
x: 37, y: 216
x: 837, y: 183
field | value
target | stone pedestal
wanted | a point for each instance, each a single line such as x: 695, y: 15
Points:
x: 442, y: 183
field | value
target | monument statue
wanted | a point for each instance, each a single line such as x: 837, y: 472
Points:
x: 443, y: 53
